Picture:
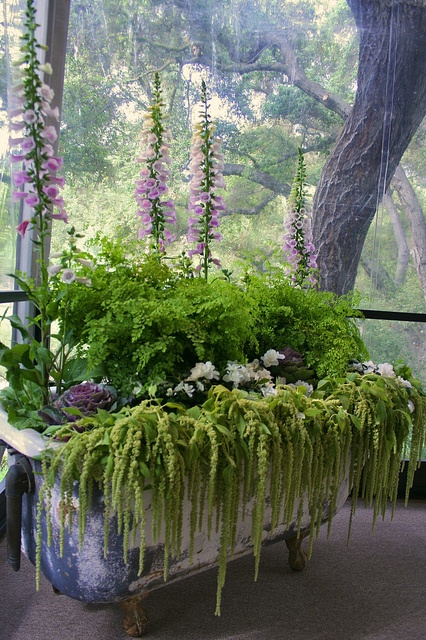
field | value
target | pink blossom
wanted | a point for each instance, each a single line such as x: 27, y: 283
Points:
x: 32, y: 199
x: 52, y: 164
x: 49, y: 133
x: 29, y: 116
x: 48, y: 150
x: 16, y: 126
x: 47, y: 93
x: 15, y: 142
x: 142, y: 233
x: 62, y: 215
x: 68, y: 276
x: 17, y: 158
x: 52, y: 113
x: 18, y: 195
x: 22, y: 228
x: 20, y: 177
x: 59, y: 180
x: 14, y: 113
x: 146, y: 204
x: 28, y: 145
x: 169, y: 237
x: 51, y: 191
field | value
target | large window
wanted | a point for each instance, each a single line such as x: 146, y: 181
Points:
x: 281, y: 75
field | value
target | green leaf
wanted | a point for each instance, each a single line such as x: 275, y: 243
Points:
x: 193, y: 412
x: 194, y: 453
x: 312, y: 412
x: 341, y: 419
x: 75, y: 370
x: 355, y: 421
x: 144, y: 469
x: 264, y: 428
x: 224, y: 430
x: 73, y: 411
x: 16, y: 323
x: 44, y: 355
x: 105, y: 418
x: 345, y: 401
x: 241, y: 425
x: 381, y: 411
x: 227, y: 473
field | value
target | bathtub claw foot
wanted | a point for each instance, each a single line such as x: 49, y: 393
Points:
x: 297, y: 557
x: 134, y: 616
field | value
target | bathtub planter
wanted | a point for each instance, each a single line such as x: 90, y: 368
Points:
x: 184, y: 490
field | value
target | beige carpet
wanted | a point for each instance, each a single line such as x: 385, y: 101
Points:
x: 375, y: 589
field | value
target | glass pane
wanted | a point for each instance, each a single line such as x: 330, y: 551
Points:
x: 9, y: 49
x: 280, y: 75
x: 388, y: 341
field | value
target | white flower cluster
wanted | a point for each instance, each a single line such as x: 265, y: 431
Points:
x: 251, y: 374
x: 69, y: 275
x: 385, y: 370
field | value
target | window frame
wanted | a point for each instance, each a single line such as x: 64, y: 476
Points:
x: 53, y: 16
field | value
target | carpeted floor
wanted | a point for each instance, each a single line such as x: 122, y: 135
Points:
x: 375, y: 589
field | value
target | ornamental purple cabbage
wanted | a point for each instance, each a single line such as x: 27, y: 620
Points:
x: 87, y: 397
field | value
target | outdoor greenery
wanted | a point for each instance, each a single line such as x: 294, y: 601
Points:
x: 261, y: 117
x: 163, y: 364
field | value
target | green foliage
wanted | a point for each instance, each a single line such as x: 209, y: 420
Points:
x: 144, y: 324
x: 141, y: 322
x: 317, y: 324
x: 234, y: 449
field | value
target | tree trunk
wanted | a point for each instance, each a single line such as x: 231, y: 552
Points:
x: 389, y: 105
x: 398, y: 229
x: 417, y: 223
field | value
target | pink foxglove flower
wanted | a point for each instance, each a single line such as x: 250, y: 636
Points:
x: 205, y: 206
x: 29, y: 104
x: 155, y: 209
x: 297, y: 245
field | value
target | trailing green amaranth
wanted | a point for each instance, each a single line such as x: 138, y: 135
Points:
x: 235, y: 448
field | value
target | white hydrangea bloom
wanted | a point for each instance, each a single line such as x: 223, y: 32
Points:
x: 205, y: 370
x: 237, y: 374
x: 269, y: 390
x: 271, y: 358
x: 405, y: 383
x: 309, y: 388
x: 187, y: 388
x: 369, y: 366
x: 386, y: 370
x: 256, y: 373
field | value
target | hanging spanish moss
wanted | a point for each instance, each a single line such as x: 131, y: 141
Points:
x: 232, y: 455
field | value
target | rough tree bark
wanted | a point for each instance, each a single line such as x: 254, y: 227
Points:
x: 417, y: 223
x: 398, y: 229
x: 389, y: 105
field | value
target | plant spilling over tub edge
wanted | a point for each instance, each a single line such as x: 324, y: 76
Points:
x: 150, y: 370
x: 237, y: 447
